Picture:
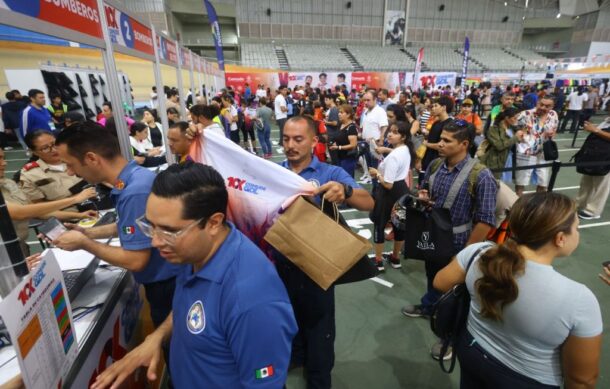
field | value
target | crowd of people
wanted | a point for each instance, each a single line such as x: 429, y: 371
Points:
x: 259, y: 318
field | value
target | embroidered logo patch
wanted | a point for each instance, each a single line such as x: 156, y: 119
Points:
x: 195, y: 318
x: 265, y: 372
x: 129, y: 230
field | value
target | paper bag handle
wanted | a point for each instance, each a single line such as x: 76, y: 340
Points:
x: 335, y: 210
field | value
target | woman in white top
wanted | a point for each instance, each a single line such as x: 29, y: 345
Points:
x: 528, y: 326
x: 230, y: 113
x: 155, y: 131
x: 143, y: 150
x: 576, y: 99
x: 391, y: 174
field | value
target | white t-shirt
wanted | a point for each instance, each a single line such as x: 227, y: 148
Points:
x: 395, y: 167
x: 576, y: 101
x: 233, y: 112
x: 280, y: 101
x: 372, y: 122
x: 550, y: 307
x: 261, y: 93
x: 141, y: 146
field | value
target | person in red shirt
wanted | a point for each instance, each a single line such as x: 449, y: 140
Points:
x: 319, y: 149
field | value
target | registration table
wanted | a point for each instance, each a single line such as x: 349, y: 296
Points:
x: 105, y: 313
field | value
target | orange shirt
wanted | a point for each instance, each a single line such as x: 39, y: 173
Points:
x: 471, y: 118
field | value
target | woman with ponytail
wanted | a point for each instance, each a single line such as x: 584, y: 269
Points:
x: 528, y: 325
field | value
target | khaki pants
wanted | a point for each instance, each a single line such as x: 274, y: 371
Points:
x: 593, y: 193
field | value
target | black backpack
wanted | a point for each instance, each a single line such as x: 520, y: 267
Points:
x: 595, y: 149
x: 450, y: 314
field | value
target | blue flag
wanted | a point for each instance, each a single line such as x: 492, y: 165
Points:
x: 465, y: 67
x: 213, y: 19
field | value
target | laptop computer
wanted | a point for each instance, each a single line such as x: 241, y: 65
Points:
x: 76, y: 279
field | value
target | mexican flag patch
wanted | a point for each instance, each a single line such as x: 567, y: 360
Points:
x: 265, y: 372
x: 129, y: 230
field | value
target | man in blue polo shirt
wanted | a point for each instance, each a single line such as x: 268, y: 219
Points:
x: 232, y: 324
x: 91, y: 152
x: 35, y: 116
x: 314, y: 307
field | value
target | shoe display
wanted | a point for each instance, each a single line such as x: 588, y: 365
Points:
x: 435, y: 351
x: 79, y: 81
x: 83, y: 92
x: 95, y: 91
x: 414, y: 311
x: 93, y: 80
x: 394, y: 261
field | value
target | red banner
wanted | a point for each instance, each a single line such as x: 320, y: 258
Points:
x: 167, y: 49
x: 238, y: 80
x: 77, y: 15
x: 186, y: 58
x: 127, y: 32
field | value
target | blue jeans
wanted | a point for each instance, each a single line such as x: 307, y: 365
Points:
x: 432, y: 295
x: 481, y: 370
x: 349, y: 165
x: 264, y: 138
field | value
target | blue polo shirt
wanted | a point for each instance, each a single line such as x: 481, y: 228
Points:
x: 320, y: 173
x: 33, y: 119
x: 129, y: 196
x: 232, y: 321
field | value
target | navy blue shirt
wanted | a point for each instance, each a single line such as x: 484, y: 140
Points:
x: 33, y: 119
x: 320, y: 173
x: 232, y: 321
x: 129, y: 196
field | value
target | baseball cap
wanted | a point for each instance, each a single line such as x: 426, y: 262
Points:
x: 467, y: 102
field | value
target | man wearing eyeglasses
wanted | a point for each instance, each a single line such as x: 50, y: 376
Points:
x: 232, y: 323
x: 90, y: 152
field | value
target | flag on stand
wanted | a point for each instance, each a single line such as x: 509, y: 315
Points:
x: 213, y: 19
x: 465, y: 67
x: 420, y: 58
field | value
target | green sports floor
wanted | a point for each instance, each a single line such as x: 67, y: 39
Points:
x: 377, y: 347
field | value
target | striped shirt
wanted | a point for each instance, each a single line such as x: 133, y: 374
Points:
x: 423, y: 118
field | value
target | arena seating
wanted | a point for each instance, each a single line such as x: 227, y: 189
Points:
x: 260, y: 55
x: 377, y: 58
x: 381, y: 58
x: 316, y: 57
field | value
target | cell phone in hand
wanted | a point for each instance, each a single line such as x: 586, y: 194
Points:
x: 52, y: 228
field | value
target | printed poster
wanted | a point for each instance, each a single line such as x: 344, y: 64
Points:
x: 394, y: 28
x: 38, y: 317
x: 322, y: 80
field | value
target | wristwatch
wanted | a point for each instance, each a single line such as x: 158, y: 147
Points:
x: 349, y: 191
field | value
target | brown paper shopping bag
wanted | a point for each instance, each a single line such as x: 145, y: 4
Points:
x: 316, y: 243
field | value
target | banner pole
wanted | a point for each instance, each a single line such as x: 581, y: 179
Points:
x: 161, y: 111
x: 114, y: 88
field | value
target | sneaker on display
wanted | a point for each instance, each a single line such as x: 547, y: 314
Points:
x: 435, y: 351
x: 414, y: 311
x: 8, y: 148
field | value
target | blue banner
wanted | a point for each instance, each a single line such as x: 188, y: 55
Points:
x: 213, y: 19
x: 465, y: 67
